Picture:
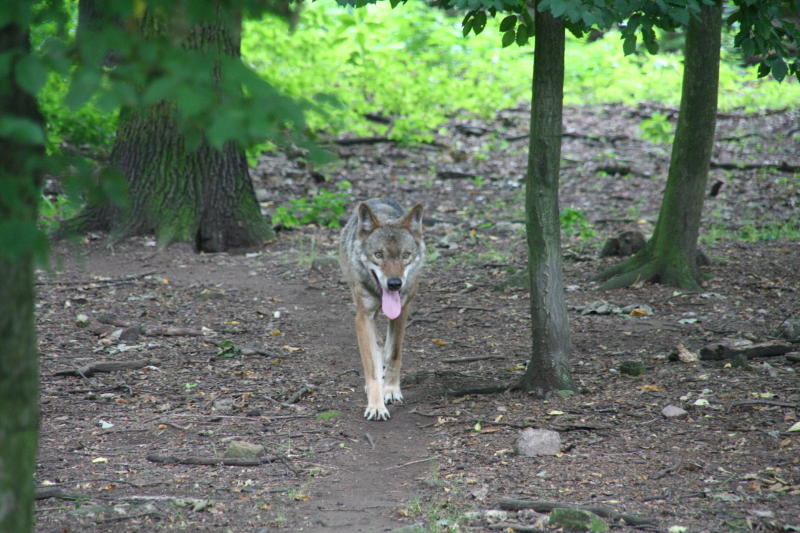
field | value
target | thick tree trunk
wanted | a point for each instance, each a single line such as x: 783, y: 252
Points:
x: 670, y: 256
x: 548, y: 370
x: 200, y: 195
x: 19, y: 377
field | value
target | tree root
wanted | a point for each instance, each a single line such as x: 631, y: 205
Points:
x: 645, y: 267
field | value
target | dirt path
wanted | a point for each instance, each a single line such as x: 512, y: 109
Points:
x: 265, y: 353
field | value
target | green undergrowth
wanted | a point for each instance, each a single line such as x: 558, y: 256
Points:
x: 412, y: 65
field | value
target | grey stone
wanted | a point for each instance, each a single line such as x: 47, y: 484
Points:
x: 673, y: 411
x: 533, y: 442
x: 244, y: 449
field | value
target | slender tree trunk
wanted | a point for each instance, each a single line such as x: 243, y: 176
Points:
x: 182, y: 193
x: 670, y: 256
x: 548, y: 369
x: 19, y: 377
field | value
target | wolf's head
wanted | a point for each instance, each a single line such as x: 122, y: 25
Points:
x: 393, y: 251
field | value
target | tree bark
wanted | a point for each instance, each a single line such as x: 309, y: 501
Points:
x: 670, y: 256
x: 548, y: 369
x: 181, y: 193
x: 19, y: 377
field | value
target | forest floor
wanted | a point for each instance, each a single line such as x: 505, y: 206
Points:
x: 260, y: 347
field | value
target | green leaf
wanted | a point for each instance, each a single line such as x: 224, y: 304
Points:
x: 22, y: 130
x: 629, y: 44
x: 778, y: 68
x: 85, y: 82
x: 160, y: 89
x: 479, y: 22
x: 508, y: 23
x: 523, y: 34
x: 466, y: 24
x: 31, y: 74
x: 509, y: 37
x: 650, y: 39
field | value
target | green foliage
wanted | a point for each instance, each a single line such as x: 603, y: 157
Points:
x: 409, y: 65
x: 657, y: 129
x: 571, y: 519
x: 53, y: 211
x: 574, y: 222
x: 228, y: 349
x: 324, y: 208
x: 87, y: 128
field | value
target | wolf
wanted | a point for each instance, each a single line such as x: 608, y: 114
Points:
x: 381, y: 253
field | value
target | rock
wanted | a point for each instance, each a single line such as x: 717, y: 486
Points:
x: 244, y: 449
x: 632, y: 368
x: 626, y: 243
x: 495, y: 515
x: 223, y: 405
x: 789, y: 330
x: 130, y: 334
x: 577, y: 520
x: 533, y: 442
x: 600, y: 307
x: 673, y: 411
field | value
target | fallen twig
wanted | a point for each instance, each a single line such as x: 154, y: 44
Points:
x: 413, y: 462
x: 90, y: 369
x: 488, y: 389
x: 299, y: 393
x: 113, y: 281
x: 210, y: 461
x: 718, y: 351
x: 472, y: 359
x: 780, y: 167
x: 764, y: 401
x: 505, y: 526
x: 43, y: 493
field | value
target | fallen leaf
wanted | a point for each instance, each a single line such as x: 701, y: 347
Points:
x: 275, y: 333
x: 439, y: 342
x: 291, y: 349
x: 651, y: 388
x: 685, y: 355
x: 100, y: 460
x: 794, y: 428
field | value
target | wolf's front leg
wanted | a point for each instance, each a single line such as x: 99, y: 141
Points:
x: 393, y: 357
x: 372, y: 361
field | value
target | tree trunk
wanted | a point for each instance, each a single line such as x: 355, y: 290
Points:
x: 548, y: 369
x: 670, y: 256
x: 19, y: 377
x: 181, y: 193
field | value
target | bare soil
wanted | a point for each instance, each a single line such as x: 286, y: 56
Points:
x: 260, y: 347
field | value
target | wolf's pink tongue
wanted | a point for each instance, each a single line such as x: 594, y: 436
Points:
x: 390, y: 304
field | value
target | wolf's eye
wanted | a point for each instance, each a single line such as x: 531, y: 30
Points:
x: 378, y: 255
x: 406, y: 255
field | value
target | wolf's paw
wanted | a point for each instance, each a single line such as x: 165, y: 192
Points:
x: 392, y: 395
x: 376, y: 413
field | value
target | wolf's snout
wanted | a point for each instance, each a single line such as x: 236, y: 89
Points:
x: 394, y: 284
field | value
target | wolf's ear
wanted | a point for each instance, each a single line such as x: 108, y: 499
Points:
x: 413, y: 220
x: 367, y: 221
